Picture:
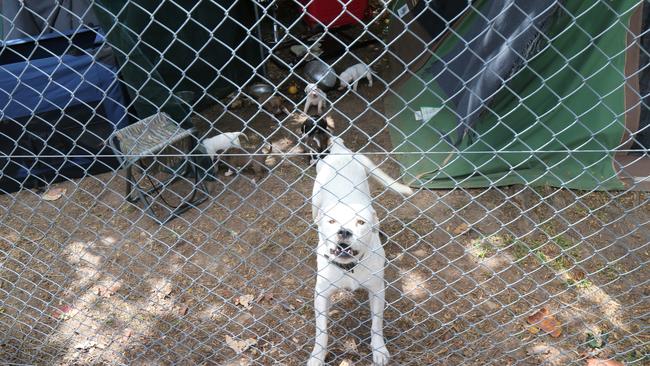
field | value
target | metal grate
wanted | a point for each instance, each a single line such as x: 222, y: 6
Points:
x: 516, y: 123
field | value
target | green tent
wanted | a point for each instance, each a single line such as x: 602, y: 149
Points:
x: 557, y: 115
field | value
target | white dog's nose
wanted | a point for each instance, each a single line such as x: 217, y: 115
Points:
x: 344, y: 233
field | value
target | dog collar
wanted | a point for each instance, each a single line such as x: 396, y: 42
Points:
x: 344, y: 266
x: 323, y: 153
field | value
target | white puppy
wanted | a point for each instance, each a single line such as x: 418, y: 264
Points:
x: 222, y: 142
x: 350, y: 254
x: 315, y: 96
x: 353, y: 74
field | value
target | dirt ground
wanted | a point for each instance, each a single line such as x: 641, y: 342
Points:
x: 88, y: 279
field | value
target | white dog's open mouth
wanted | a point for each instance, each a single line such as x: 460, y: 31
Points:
x: 344, y: 252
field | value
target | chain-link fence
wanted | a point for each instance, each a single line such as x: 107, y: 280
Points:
x: 158, y: 163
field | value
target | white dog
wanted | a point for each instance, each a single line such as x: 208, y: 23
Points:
x: 353, y: 74
x: 315, y: 96
x: 222, y: 142
x: 350, y: 254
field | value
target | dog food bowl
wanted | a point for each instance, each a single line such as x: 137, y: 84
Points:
x: 318, y: 72
x: 258, y: 89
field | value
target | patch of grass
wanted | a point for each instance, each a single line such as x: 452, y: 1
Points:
x: 583, y: 283
x: 519, y: 250
x: 480, y: 249
x: 567, y: 245
x: 597, y: 341
x: 541, y: 257
x: 549, y: 228
x: 563, y: 242
x: 488, y: 246
x: 611, y: 272
x: 639, y: 355
x: 561, y: 263
x: 110, y: 322
x: 508, y: 239
x: 602, y: 215
x: 579, y: 210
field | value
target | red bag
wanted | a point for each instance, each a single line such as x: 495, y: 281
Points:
x: 331, y: 13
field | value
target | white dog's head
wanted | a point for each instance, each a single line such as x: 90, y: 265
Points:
x: 312, y: 91
x: 348, y: 231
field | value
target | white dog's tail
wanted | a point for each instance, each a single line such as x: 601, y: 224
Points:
x: 382, y: 177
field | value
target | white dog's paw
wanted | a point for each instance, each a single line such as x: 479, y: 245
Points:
x: 380, y: 356
x: 313, y: 361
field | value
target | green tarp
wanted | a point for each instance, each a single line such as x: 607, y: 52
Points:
x: 165, y: 48
x: 556, y: 121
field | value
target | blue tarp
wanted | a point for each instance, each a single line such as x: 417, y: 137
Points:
x: 41, y: 138
x: 37, y: 86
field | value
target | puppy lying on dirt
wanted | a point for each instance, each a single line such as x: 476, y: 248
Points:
x: 240, y: 159
x: 273, y: 104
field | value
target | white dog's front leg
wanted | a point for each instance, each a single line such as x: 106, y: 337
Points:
x: 321, y: 105
x: 321, y: 310
x: 369, y: 79
x: 354, y: 85
x: 380, y: 355
x: 307, y: 105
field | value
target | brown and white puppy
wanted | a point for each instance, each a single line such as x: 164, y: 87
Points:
x: 273, y: 104
x: 240, y: 159
x: 315, y: 134
x: 222, y: 142
x: 315, y: 96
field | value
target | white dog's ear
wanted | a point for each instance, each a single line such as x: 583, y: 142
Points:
x: 330, y: 122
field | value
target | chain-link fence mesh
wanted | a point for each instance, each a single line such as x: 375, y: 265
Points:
x: 158, y: 160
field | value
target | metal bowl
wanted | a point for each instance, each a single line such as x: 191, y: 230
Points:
x: 259, y: 89
x: 318, y: 72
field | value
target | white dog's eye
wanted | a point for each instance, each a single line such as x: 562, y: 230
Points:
x: 361, y: 222
x: 332, y: 221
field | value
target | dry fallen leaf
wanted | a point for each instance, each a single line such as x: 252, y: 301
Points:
x: 53, y: 194
x: 546, y: 322
x: 346, y: 362
x: 85, y: 345
x: 182, y: 309
x: 533, y: 329
x: 241, y: 362
x: 63, y: 312
x: 105, y: 291
x: 165, y: 291
x: 268, y: 297
x: 460, y: 229
x: 245, y: 301
x: 350, y: 345
x: 578, y: 275
x: 599, y: 362
x: 115, y: 287
x: 240, y: 346
x: 128, y: 332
